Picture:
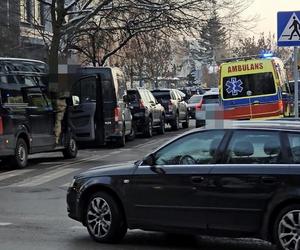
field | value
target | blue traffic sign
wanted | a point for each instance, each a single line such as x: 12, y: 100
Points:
x: 288, y: 28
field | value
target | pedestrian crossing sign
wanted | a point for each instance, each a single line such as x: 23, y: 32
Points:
x: 288, y: 28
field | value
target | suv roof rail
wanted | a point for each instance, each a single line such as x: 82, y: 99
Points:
x: 20, y: 59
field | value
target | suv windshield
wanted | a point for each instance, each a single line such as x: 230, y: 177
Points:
x: 195, y: 99
x: 258, y: 84
x: 162, y: 95
x: 133, y: 96
x: 210, y: 99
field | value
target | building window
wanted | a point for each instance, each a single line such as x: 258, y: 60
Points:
x: 23, y: 12
x: 27, y: 10
x: 41, y: 13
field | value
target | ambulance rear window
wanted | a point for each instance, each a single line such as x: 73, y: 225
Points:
x: 245, y: 85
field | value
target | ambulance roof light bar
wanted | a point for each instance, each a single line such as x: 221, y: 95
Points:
x: 259, y: 56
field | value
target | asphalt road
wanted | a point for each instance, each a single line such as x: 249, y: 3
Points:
x: 33, y: 212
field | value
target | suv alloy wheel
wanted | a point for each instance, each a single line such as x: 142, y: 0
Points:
x: 149, y: 129
x: 186, y: 123
x: 287, y: 228
x: 71, y: 149
x: 162, y: 129
x: 104, y: 219
x: 20, y: 159
x: 175, y: 123
x: 121, y: 141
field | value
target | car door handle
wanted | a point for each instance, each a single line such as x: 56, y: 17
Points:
x: 197, y: 179
x: 256, y: 103
x: 269, y: 180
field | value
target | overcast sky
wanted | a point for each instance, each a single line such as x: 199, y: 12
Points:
x: 267, y: 10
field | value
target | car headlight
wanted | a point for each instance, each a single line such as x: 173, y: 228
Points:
x: 72, y: 183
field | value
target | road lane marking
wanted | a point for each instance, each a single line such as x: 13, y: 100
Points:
x: 159, y: 142
x: 14, y: 173
x: 3, y: 224
x: 44, y: 178
x: 49, y: 163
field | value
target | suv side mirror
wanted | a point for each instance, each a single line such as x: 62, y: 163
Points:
x: 149, y: 160
x: 75, y: 100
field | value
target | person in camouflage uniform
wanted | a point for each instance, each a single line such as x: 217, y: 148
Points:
x: 60, y: 108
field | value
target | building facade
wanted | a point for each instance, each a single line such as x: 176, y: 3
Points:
x: 22, y: 24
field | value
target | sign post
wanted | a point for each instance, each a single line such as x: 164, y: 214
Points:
x: 296, y: 78
x: 288, y: 34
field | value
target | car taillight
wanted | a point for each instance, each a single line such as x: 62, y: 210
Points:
x: 1, y: 126
x: 142, y: 104
x: 199, y: 105
x: 280, y: 105
x: 117, y: 113
x: 170, y: 106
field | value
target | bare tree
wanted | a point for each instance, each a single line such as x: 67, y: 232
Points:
x: 258, y: 45
x: 146, y: 57
x: 115, y: 22
x: 111, y: 30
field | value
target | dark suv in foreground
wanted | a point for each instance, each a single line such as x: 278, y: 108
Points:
x: 175, y: 106
x: 241, y: 180
x: 147, y: 113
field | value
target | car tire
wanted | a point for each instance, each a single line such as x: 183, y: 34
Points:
x: 121, y: 141
x: 162, y: 127
x: 132, y: 134
x: 200, y: 123
x: 71, y: 149
x: 284, y: 225
x: 105, y: 220
x: 175, y: 124
x: 20, y: 158
x: 149, y: 129
x: 186, y: 123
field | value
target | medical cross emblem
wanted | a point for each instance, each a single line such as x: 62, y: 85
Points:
x: 234, y: 87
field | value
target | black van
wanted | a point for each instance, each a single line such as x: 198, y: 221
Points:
x: 27, y: 117
x: 99, y: 113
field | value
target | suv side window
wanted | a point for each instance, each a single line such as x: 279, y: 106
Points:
x: 11, y: 96
x: 85, y: 89
x: 88, y: 89
x: 144, y: 96
x: 254, y: 147
x: 178, y: 96
x: 196, y: 148
x: 173, y: 95
x: 37, y: 100
x: 150, y: 96
x: 294, y: 140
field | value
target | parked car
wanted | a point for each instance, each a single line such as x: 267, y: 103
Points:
x: 193, y: 102
x: 207, y: 109
x: 100, y: 114
x: 27, y: 118
x: 147, y: 113
x: 240, y: 181
x: 175, y: 107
